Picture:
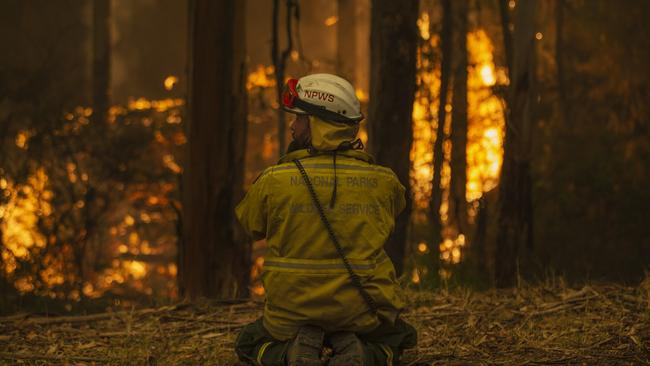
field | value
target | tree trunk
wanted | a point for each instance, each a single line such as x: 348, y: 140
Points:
x: 505, y: 32
x: 438, y: 155
x: 278, y: 67
x: 362, y: 66
x: 216, y: 258
x: 346, y: 41
x: 4, y: 288
x: 457, y: 196
x: 515, y: 225
x: 559, y: 61
x: 182, y: 181
x: 393, y: 43
x: 280, y: 61
x: 101, y: 59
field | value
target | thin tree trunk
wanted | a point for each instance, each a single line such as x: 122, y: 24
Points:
x: 216, y: 258
x: 4, y: 287
x: 101, y: 59
x: 438, y: 154
x: 505, y: 32
x: 362, y: 66
x: 457, y: 196
x: 559, y: 60
x: 393, y: 43
x: 183, y: 181
x: 280, y: 62
x: 346, y: 41
x: 515, y: 223
x: 279, y: 75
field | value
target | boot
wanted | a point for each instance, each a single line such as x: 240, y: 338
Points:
x: 348, y: 350
x: 306, y: 347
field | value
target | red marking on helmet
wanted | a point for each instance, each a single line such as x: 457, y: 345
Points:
x: 319, y: 95
x: 289, y: 94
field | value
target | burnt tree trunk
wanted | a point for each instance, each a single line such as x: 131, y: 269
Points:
x: 101, y: 59
x: 505, y: 32
x: 346, y: 41
x: 278, y: 69
x: 515, y: 223
x: 458, y: 136
x: 4, y: 286
x: 393, y: 43
x: 446, y: 35
x: 216, y: 258
x: 180, y: 227
x: 559, y: 61
x: 280, y: 61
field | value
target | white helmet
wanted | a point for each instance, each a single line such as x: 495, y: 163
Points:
x: 327, y: 96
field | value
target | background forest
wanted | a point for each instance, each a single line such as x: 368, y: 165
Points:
x: 521, y: 129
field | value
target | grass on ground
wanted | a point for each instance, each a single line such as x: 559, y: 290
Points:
x: 598, y: 324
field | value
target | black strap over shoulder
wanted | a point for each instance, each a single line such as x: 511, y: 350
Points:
x: 353, y: 276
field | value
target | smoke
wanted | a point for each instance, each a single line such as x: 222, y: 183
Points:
x: 149, y: 44
x: 318, y: 40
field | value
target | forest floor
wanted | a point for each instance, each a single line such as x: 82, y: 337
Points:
x: 598, y: 324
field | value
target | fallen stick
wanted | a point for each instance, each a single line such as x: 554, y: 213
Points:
x: 84, y: 318
x: 20, y: 356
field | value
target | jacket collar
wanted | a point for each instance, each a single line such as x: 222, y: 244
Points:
x: 305, y: 153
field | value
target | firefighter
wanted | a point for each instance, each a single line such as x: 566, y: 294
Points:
x: 326, y: 211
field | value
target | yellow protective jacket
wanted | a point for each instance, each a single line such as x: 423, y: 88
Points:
x: 304, y: 278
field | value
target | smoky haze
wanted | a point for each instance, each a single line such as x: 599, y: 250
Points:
x: 50, y: 43
x: 149, y: 43
x: 45, y: 48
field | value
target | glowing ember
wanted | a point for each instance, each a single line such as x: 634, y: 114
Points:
x: 330, y: 21
x: 450, y: 250
x: 423, y: 25
x: 258, y: 290
x: 161, y: 105
x: 170, y: 82
x: 170, y: 163
x: 361, y: 95
x: 415, y: 276
x: 129, y: 220
x: 262, y: 77
x: 21, y: 139
x: 136, y: 269
x: 487, y: 75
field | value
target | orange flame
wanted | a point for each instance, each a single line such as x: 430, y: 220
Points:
x: 485, y: 134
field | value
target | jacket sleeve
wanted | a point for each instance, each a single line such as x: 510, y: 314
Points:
x: 252, y: 211
x: 400, y: 198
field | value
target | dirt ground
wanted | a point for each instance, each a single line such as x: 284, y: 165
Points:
x: 550, y: 324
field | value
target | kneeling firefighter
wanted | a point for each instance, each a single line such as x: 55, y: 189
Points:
x: 326, y: 211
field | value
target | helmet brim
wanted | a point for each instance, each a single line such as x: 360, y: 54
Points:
x: 294, y: 110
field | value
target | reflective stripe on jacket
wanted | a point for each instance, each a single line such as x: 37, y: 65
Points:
x: 304, y: 278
